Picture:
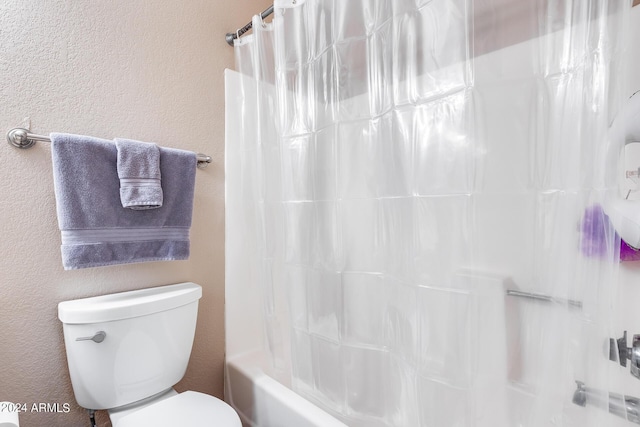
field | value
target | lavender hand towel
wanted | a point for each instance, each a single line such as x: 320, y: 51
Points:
x: 139, y: 172
x: 96, y: 230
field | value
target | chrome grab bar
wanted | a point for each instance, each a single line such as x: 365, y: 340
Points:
x: 545, y: 298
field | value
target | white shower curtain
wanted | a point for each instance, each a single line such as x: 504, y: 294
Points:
x: 420, y: 183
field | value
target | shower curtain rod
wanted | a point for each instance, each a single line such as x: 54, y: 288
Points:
x: 230, y: 37
x: 22, y: 138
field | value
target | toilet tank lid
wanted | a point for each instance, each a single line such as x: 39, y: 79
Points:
x: 125, y: 305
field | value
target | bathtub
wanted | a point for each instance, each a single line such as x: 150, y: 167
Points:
x: 262, y: 401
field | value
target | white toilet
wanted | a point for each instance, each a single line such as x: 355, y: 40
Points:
x: 126, y: 351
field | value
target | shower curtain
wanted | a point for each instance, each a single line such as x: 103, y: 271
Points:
x: 420, y: 186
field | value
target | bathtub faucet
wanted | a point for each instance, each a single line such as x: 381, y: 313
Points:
x: 627, y: 407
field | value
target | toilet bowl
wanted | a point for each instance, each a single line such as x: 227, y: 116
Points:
x: 126, y: 351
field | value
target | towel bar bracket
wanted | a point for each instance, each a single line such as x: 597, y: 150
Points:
x: 19, y: 138
x: 203, y: 160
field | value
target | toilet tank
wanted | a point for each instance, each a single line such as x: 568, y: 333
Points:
x: 147, y: 339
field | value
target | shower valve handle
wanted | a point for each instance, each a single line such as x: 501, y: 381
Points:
x: 625, y: 353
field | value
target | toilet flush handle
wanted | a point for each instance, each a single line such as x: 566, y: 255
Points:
x: 97, y: 338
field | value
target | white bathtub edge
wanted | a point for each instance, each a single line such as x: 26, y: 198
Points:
x: 263, y: 401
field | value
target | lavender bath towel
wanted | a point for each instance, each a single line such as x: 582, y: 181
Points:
x: 139, y: 172
x: 96, y: 230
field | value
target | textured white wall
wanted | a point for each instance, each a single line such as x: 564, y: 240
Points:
x: 144, y: 69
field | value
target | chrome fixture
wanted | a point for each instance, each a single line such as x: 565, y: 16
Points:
x: 619, y: 352
x: 97, y: 338
x: 21, y: 138
x: 627, y: 407
x: 545, y: 298
x: 230, y: 37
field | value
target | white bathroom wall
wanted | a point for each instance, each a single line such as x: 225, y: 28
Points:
x: 144, y: 69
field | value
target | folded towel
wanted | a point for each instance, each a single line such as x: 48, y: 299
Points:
x: 96, y: 230
x: 139, y: 173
